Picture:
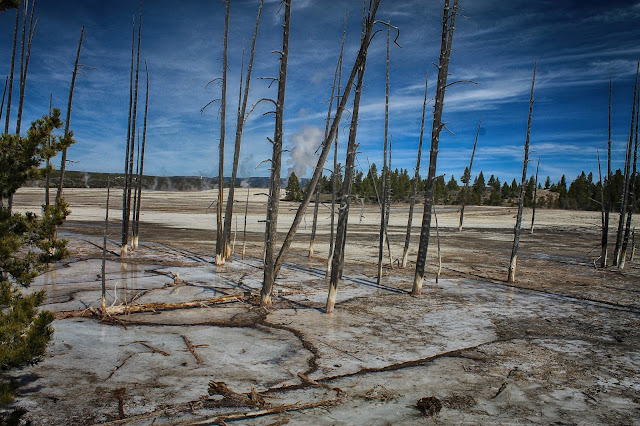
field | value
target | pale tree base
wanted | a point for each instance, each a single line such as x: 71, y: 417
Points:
x: 605, y: 255
x: 227, y: 252
x: 311, y: 247
x: 405, y: 259
x: 220, y: 260
x: 265, y: 299
x: 417, y: 285
x: 124, y: 250
x: 331, y: 300
x: 531, y: 230
x: 512, y: 269
x: 134, y: 244
x: 623, y: 257
x: 244, y: 247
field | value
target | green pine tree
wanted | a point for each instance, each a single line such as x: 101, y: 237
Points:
x: 293, y: 191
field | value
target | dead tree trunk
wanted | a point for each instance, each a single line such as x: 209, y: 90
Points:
x: 314, y: 225
x: 241, y: 119
x: 67, y: 135
x: 601, y: 193
x: 220, y: 240
x: 13, y: 62
x: 274, y: 186
x: 385, y: 168
x: 244, y: 232
x: 607, y: 203
x: 435, y: 216
x: 136, y: 221
x: 47, y: 179
x: 632, y: 193
x: 326, y: 145
x: 416, y: 178
x: 627, y: 171
x: 466, y: 184
x: 127, y: 171
x: 523, y: 184
x: 4, y: 93
x: 535, y: 195
x: 24, y: 59
x: 104, y: 249
x: 448, y: 22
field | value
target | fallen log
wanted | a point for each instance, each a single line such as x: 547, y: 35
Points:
x: 192, y: 349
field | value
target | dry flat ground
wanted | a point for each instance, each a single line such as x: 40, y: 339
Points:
x: 560, y: 346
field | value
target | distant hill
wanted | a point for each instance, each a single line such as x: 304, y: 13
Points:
x: 74, y: 179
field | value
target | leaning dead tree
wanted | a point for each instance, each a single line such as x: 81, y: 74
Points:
x: 416, y: 178
x: 4, y: 94
x: 276, y: 163
x: 136, y: 216
x: 25, y: 54
x: 11, y: 71
x: 535, y: 196
x: 67, y: 134
x: 523, y: 184
x: 448, y: 27
x: 632, y: 192
x: 468, y: 178
x: 609, y: 195
x: 220, y: 244
x: 326, y: 144
x: 241, y: 120
x: 343, y: 215
x: 627, y: 171
x: 384, y: 218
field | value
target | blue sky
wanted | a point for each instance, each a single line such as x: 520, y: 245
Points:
x: 577, y: 44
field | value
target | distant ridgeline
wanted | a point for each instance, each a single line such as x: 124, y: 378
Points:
x: 153, y: 183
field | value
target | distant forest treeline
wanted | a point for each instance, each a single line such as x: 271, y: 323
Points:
x: 583, y: 193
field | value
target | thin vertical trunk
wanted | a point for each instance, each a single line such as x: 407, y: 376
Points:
x: 104, y: 247
x: 535, y: 195
x: 607, y: 207
x: 127, y: 171
x: 627, y: 170
x: 632, y: 193
x: 244, y: 232
x: 274, y: 186
x: 48, y: 175
x: 136, y: 183
x: 448, y: 22
x: 314, y: 226
x: 601, y: 193
x: 22, y: 48
x: 67, y: 136
x: 134, y: 122
x: 242, y: 108
x: 435, y: 216
x: 4, y: 93
x: 220, y: 242
x: 13, y: 62
x: 416, y: 178
x: 385, y: 166
x: 388, y: 207
x: 27, y: 55
x: 633, y: 245
x: 466, y: 184
x: 311, y: 186
x: 516, y: 230
x: 136, y: 221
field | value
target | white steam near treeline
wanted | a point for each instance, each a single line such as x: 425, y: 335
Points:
x: 303, y: 153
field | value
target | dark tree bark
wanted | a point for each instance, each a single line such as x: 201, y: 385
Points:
x: 127, y: 170
x: 67, y: 134
x: 602, y: 208
x: 104, y: 248
x: 466, y: 184
x: 4, y: 93
x: 516, y: 230
x: 416, y: 178
x: 276, y: 163
x: 607, y: 202
x: 13, y: 62
x: 314, y: 225
x: 47, y: 178
x: 326, y: 145
x: 384, y: 220
x: 220, y: 240
x: 435, y: 216
x: 627, y: 171
x: 24, y: 64
x: 136, y: 221
x: 244, y: 232
x: 448, y: 22
x: 535, y: 196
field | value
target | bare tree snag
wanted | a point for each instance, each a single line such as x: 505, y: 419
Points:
x: 384, y: 220
x: 241, y: 120
x: 343, y: 215
x: 608, y: 198
x: 627, y: 169
x: 244, y: 232
x: 127, y: 171
x: 468, y: 178
x: 326, y: 145
x: 4, y: 93
x: 416, y: 178
x: 274, y: 185
x: 448, y: 26
x: 220, y: 243
x: 136, y: 220
x: 67, y: 134
x: 516, y: 230
x: 535, y: 195
x: 47, y: 179
x: 11, y: 72
x: 314, y: 225
x: 632, y: 193
x: 24, y: 65
x: 602, y: 208
x: 435, y: 216
x: 104, y: 251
